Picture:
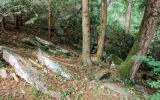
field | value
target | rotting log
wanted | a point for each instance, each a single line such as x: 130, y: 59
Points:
x: 45, y: 45
x: 51, y: 64
x: 24, y: 69
x: 33, y: 41
x: 52, y: 47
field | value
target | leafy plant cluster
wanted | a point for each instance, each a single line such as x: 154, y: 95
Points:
x: 156, y: 70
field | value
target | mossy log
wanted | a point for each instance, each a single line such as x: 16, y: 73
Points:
x: 45, y: 45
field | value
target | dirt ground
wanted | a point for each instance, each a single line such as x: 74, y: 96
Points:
x: 85, y: 88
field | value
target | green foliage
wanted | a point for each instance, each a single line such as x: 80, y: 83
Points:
x: 36, y: 92
x: 151, y: 62
x: 154, y: 49
x: 153, y: 97
x: 66, y: 93
x: 156, y: 70
x: 2, y: 63
x: 118, y: 42
x: 125, y: 68
x: 115, y: 59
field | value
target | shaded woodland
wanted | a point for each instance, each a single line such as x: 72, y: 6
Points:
x: 79, y: 49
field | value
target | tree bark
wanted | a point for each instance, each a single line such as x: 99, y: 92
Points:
x: 17, y: 22
x: 49, y: 18
x: 21, y: 20
x: 128, y: 16
x: 86, y: 58
x: 102, y: 32
x: 146, y: 33
x: 2, y: 22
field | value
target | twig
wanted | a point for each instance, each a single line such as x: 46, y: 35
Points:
x: 35, y: 63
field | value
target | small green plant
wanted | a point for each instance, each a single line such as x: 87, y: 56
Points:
x: 50, y: 88
x: 90, y: 78
x: 49, y: 98
x: 84, y: 68
x: 10, y: 97
x: 2, y: 63
x: 36, y: 93
x: 66, y: 93
x: 128, y: 82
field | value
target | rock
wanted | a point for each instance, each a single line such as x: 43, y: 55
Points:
x: 121, y: 90
x: 3, y: 73
x: 102, y: 75
x: 24, y: 69
x: 51, y: 64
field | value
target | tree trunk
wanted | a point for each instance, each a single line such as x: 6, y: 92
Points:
x: 86, y: 59
x: 146, y: 33
x: 49, y: 18
x: 102, y: 32
x: 17, y: 21
x: 128, y: 16
x: 2, y: 22
x: 21, y: 20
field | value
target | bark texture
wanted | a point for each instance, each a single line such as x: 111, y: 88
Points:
x: 128, y: 16
x: 102, y: 32
x: 17, y: 21
x: 86, y: 59
x: 146, y: 33
x: 2, y: 22
x: 49, y: 18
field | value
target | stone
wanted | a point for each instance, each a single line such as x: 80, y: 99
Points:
x: 24, y: 69
x: 52, y: 65
x: 102, y: 75
x: 3, y: 73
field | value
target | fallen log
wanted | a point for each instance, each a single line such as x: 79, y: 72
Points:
x: 44, y: 45
x: 33, y: 41
x: 24, y: 69
x: 51, y: 64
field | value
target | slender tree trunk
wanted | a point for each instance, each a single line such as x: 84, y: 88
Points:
x: 146, y: 33
x: 102, y: 32
x: 128, y: 16
x: 86, y: 58
x: 2, y: 22
x: 17, y: 21
x: 49, y: 18
x: 21, y: 20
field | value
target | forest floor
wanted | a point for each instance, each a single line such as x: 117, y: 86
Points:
x: 85, y: 88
